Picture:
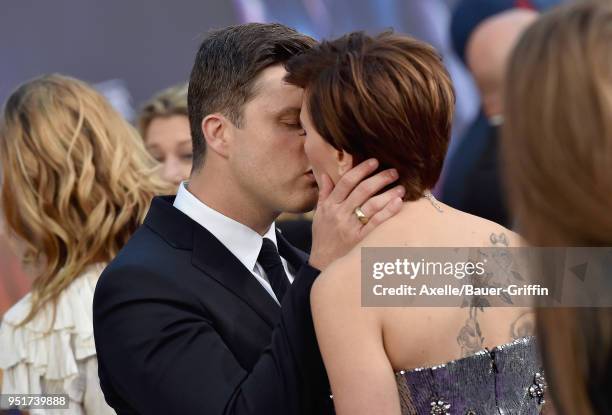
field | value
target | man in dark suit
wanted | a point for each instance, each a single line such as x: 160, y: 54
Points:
x: 206, y: 309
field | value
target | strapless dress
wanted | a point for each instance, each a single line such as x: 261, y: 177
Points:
x: 506, y: 380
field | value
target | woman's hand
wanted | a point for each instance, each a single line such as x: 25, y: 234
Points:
x: 336, y: 228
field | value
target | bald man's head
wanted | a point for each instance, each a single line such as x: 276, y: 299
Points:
x: 488, y: 51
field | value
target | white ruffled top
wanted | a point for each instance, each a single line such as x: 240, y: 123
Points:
x: 36, y: 360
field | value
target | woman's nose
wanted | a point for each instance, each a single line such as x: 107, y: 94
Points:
x: 172, y: 172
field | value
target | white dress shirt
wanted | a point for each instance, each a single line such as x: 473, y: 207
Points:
x: 243, y: 242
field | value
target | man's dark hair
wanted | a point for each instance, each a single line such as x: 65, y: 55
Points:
x: 226, y: 66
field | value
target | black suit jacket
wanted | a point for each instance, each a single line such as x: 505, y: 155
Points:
x: 182, y: 327
x: 484, y: 188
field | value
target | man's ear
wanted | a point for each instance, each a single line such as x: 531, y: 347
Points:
x: 217, y: 130
x: 344, y: 160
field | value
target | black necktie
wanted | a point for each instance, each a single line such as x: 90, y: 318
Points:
x: 270, y: 261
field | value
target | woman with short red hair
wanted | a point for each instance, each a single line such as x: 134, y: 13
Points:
x: 390, y: 97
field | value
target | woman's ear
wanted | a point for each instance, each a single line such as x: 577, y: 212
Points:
x: 344, y: 160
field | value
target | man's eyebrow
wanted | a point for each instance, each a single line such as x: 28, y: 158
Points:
x: 288, y: 111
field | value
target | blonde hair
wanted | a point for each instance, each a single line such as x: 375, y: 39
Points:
x: 557, y: 148
x: 77, y: 180
x: 170, y: 101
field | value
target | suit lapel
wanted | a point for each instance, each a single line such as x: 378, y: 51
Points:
x: 212, y: 257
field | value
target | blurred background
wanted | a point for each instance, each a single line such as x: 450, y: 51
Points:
x: 130, y: 50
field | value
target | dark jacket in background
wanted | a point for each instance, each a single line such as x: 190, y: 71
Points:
x: 298, y: 232
x: 473, y: 181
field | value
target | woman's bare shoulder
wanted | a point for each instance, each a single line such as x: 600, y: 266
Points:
x: 340, y: 281
x: 493, y: 234
x: 452, y: 227
x: 479, y: 231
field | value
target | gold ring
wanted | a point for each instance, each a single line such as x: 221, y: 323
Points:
x: 361, y: 216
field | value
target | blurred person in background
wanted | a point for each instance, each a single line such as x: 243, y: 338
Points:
x: 557, y: 148
x: 14, y: 281
x: 390, y: 97
x: 297, y: 228
x: 76, y: 183
x: 487, y: 53
x: 163, y: 123
x: 469, y: 157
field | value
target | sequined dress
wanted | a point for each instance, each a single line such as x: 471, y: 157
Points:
x: 505, y: 380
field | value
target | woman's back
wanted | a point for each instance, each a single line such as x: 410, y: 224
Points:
x: 466, y: 357
x: 440, y: 334
x: 389, y: 97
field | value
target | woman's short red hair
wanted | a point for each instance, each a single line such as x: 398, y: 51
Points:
x: 387, y: 96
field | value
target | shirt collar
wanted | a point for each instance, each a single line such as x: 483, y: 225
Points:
x: 243, y: 242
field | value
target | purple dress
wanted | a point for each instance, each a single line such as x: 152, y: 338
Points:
x: 505, y: 380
